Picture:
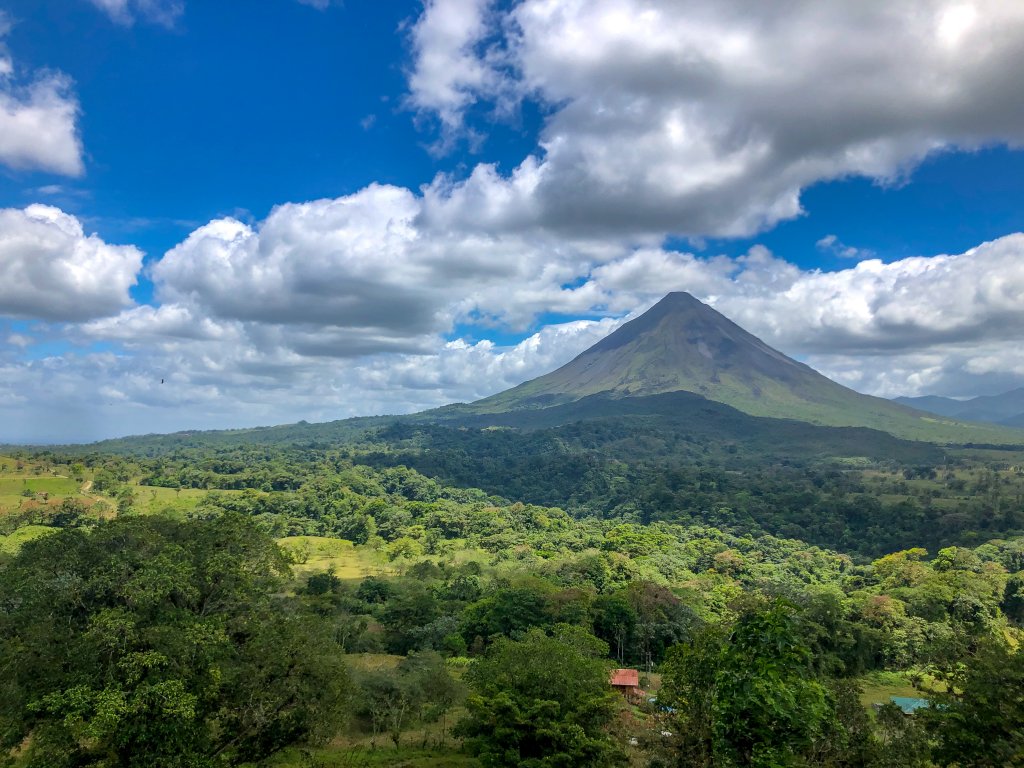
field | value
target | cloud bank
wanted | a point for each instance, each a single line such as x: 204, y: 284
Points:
x: 307, y: 314
x: 661, y: 119
x: 708, y: 118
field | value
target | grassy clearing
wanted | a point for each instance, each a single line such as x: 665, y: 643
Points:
x: 26, y: 484
x: 169, y: 501
x: 11, y: 544
x: 315, y: 554
x: 58, y: 486
x: 879, y: 687
x: 13, y: 490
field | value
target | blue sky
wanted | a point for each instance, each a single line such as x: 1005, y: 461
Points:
x: 294, y: 210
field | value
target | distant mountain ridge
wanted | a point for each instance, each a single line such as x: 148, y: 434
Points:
x: 1006, y: 408
x: 682, y: 344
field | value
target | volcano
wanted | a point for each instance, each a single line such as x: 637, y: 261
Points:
x: 683, y: 345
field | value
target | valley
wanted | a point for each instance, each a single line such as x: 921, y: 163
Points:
x: 405, y: 564
x: 521, y: 384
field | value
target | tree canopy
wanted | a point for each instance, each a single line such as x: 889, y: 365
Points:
x: 151, y: 642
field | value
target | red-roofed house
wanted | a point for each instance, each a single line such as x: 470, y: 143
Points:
x: 627, y: 682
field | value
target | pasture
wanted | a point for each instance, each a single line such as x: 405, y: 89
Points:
x: 316, y: 554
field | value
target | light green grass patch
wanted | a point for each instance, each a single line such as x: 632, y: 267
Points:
x: 55, y: 486
x: 315, y: 554
x: 12, y: 489
x: 11, y: 544
x: 150, y: 499
x: 879, y: 687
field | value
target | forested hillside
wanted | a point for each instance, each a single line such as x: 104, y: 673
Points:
x: 398, y: 615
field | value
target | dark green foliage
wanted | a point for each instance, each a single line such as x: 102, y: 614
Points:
x: 981, y: 723
x: 68, y: 514
x: 374, y: 590
x: 509, y: 612
x: 405, y: 616
x: 149, y: 642
x: 322, y: 583
x: 768, y: 707
x: 1013, y: 598
x: 420, y: 689
x: 688, y: 687
x: 750, y: 699
x: 672, y: 469
x: 902, y: 741
x: 615, y: 623
x: 849, y: 739
x: 538, y: 702
x: 674, y: 457
x: 662, y: 554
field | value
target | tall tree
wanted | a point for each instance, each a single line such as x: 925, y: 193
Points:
x: 152, y: 642
x: 749, y: 698
x: 768, y: 705
x: 540, y: 702
x: 980, y: 722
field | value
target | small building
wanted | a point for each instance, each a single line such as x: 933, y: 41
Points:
x: 627, y: 682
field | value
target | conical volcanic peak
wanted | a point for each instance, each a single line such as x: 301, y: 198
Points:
x: 678, y: 344
x: 680, y: 333
x: 682, y: 344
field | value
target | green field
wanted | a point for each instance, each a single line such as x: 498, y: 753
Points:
x: 27, y: 485
x: 169, y: 501
x: 880, y: 687
x: 315, y: 554
x: 11, y: 544
x: 62, y: 486
x: 17, y: 490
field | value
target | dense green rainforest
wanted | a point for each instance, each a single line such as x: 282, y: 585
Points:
x: 419, y: 594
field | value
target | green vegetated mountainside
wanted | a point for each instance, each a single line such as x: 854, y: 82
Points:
x: 301, y: 433
x: 713, y: 426
x: 402, y: 621
x: 681, y: 344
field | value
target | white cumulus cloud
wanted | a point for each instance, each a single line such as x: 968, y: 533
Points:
x: 451, y: 71
x: 701, y: 117
x: 51, y: 270
x: 38, y: 118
